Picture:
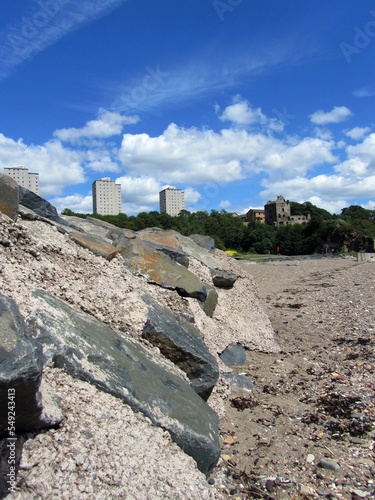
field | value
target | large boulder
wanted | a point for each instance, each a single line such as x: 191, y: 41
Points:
x: 164, y: 271
x: 203, y: 241
x: 181, y: 342
x: 96, y: 245
x: 39, y: 205
x: 21, y: 374
x: 93, y: 352
x: 173, y: 239
x: 9, y: 196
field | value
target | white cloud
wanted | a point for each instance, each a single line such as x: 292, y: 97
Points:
x: 106, y: 125
x: 143, y: 190
x: 370, y: 205
x: 357, y: 132
x: 225, y: 204
x: 191, y: 196
x: 353, y: 166
x: 364, y: 92
x: 297, y: 159
x: 336, y: 115
x: 334, y: 191
x: 360, y: 159
x: 241, y: 113
x: 58, y: 167
x: 180, y: 156
x: 77, y: 203
x: 203, y: 156
x: 102, y: 160
x: 323, y: 133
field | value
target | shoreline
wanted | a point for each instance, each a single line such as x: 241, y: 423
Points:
x: 309, y: 427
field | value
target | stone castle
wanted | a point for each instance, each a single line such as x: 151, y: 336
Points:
x: 276, y: 213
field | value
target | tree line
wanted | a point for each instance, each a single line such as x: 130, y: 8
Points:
x: 352, y: 230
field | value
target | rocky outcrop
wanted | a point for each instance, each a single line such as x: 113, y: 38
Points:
x: 89, y: 350
x: 9, y: 196
x: 223, y: 279
x: 39, y: 205
x: 181, y: 342
x: 21, y: 375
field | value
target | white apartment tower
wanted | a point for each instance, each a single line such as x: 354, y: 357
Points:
x: 171, y: 200
x: 106, y: 197
x: 24, y: 178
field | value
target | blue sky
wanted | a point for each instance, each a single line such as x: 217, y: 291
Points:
x: 233, y: 101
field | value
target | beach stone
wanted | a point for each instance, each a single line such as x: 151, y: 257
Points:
x: 326, y: 463
x: 115, y: 363
x: 9, y: 196
x: 182, y: 343
x: 223, y: 279
x: 233, y: 355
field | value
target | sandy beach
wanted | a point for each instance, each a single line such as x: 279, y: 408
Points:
x: 307, y: 428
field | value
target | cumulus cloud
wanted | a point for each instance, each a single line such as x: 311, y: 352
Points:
x: 143, y: 190
x: 357, y: 132
x: 77, y: 203
x: 336, y: 115
x: 360, y: 159
x: 241, y: 113
x: 191, y: 196
x: 58, y: 167
x: 203, y: 156
x: 332, y: 192
x: 106, y: 125
x: 225, y: 204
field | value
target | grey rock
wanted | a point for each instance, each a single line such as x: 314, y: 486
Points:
x: 326, y: 463
x: 233, y: 355
x: 238, y: 380
x: 196, y: 251
x: 165, y: 272
x: 91, y: 351
x: 203, y: 241
x: 223, y: 279
x: 174, y: 253
x: 9, y: 196
x: 21, y: 374
x: 96, y: 245
x: 182, y: 343
x: 39, y: 205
